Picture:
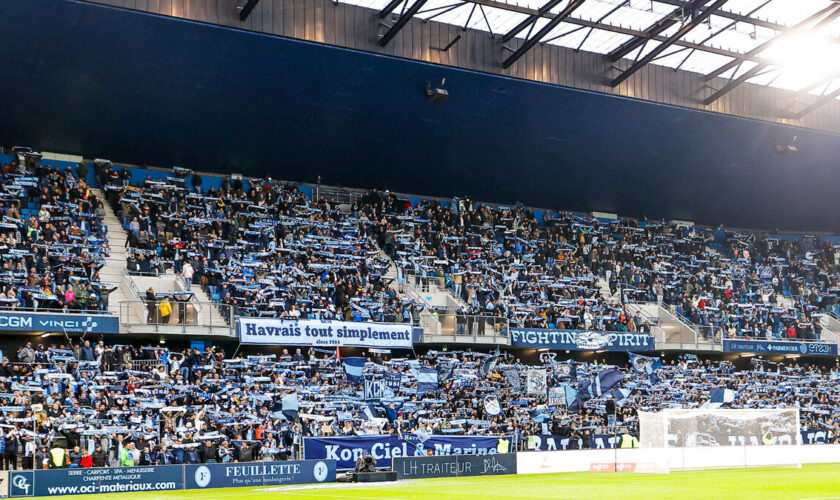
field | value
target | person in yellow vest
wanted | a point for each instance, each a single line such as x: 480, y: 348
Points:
x: 503, y: 445
x: 628, y: 440
x: 165, y: 309
x: 58, y: 457
x: 767, y: 438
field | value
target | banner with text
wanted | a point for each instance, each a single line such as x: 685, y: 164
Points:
x: 550, y: 442
x: 95, y: 481
x: 346, y: 450
x: 769, y: 347
x: 256, y: 474
x: 580, y: 340
x: 455, y: 466
x: 19, y: 321
x: 313, y: 332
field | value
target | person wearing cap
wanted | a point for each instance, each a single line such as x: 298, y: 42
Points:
x: 99, y: 456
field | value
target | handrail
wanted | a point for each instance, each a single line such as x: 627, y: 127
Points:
x: 52, y: 310
x: 145, y: 314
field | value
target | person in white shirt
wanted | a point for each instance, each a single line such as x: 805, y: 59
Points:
x: 187, y: 273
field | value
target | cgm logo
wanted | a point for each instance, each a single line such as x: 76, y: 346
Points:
x: 202, y: 476
x: 320, y: 471
x: 21, y: 484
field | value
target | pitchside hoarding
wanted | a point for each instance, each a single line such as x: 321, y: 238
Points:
x: 255, y: 474
x: 95, y: 481
x: 454, y: 466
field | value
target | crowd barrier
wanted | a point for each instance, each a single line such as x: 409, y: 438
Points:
x: 164, y: 478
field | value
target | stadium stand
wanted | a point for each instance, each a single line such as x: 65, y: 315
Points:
x: 53, y: 241
x: 198, y: 407
x: 272, y: 252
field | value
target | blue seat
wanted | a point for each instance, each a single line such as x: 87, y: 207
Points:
x: 215, y: 297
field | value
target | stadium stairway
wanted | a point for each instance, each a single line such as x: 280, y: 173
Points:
x: 205, y: 317
x: 669, y: 330
x: 115, y: 263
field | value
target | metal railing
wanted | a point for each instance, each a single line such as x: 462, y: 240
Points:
x: 477, y: 327
x: 426, y: 283
x: 186, y: 317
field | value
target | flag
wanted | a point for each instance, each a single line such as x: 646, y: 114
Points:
x: 487, y: 365
x: 536, y: 382
x: 646, y: 365
x: 290, y: 406
x: 445, y: 368
x: 491, y: 405
x: 392, y: 380
x: 354, y: 367
x: 601, y: 383
x: 427, y: 380
x: 557, y: 395
x: 718, y: 397
x: 619, y: 394
x: 512, y: 376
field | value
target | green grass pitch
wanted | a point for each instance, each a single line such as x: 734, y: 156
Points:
x: 812, y: 482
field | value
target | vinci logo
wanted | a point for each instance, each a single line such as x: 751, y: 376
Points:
x: 21, y: 484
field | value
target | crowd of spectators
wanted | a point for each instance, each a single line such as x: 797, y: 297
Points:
x: 263, y: 248
x: 52, y: 240
x: 92, y: 404
x: 578, y: 272
x: 269, y: 250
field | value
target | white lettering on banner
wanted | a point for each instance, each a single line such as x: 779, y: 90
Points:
x: 15, y: 321
x: 262, y: 470
x: 382, y: 451
x: 323, y: 333
x: 581, y: 339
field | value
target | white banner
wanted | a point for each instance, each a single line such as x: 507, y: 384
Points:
x: 536, y: 382
x: 313, y: 332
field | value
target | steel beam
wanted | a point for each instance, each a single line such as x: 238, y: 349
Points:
x: 652, y: 30
x: 695, y: 21
x: 402, y: 21
x: 823, y: 100
x: 760, y: 66
x: 764, y: 46
x: 545, y: 30
x: 530, y: 20
x: 247, y: 8
x: 389, y: 8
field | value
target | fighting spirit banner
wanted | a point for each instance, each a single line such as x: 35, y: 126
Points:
x: 319, y: 333
x: 580, y: 340
x: 346, y: 450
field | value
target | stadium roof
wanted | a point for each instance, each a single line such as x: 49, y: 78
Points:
x: 792, y: 44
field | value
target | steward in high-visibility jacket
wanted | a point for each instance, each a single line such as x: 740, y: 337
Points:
x: 767, y: 438
x: 629, y: 441
x: 58, y: 458
x: 503, y: 445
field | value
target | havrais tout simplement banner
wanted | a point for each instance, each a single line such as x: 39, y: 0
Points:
x: 320, y: 333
